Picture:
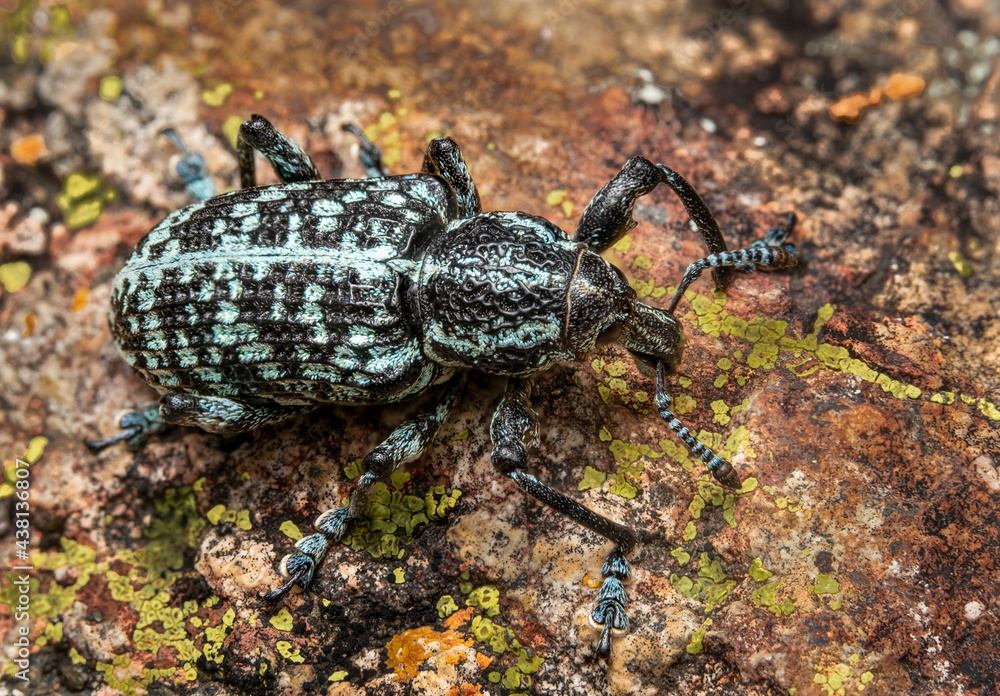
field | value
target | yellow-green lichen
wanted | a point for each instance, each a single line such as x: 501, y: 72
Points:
x: 825, y: 585
x: 83, y: 199
x: 446, y: 606
x: 682, y: 556
x: 767, y: 596
x: 710, y: 587
x: 485, y: 598
x: 758, y: 572
x: 695, y: 646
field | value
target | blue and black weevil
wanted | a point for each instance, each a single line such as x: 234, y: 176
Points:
x: 257, y: 305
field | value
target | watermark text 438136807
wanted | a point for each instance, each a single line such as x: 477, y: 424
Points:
x: 21, y: 567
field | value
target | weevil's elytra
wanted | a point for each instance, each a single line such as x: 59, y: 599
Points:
x: 254, y: 306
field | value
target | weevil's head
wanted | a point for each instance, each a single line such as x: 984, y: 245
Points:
x: 603, y: 309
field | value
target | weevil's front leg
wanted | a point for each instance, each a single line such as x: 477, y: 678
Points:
x: 608, y: 216
x: 514, y: 429
x: 290, y: 162
x: 444, y: 158
x: 405, y: 444
x: 722, y: 470
x: 215, y: 414
x: 769, y: 254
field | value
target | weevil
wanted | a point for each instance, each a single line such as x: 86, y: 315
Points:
x: 260, y: 304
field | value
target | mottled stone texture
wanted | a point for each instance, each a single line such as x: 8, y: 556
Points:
x: 866, y: 411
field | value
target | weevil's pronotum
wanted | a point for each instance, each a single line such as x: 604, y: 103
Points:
x: 260, y: 304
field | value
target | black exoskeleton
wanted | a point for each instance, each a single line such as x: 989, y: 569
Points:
x: 257, y: 305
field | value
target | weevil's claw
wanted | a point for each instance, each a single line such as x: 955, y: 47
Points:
x: 276, y: 595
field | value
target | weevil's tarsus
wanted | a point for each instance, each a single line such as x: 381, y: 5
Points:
x: 191, y: 169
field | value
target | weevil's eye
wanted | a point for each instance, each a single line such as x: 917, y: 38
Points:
x: 609, y: 335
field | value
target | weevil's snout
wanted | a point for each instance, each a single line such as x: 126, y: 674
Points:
x: 653, y: 336
x: 600, y: 304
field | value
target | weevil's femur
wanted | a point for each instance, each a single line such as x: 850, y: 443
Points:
x: 652, y: 336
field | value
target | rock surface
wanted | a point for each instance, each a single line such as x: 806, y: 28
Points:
x: 858, y: 391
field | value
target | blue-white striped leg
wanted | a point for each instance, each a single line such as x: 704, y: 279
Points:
x: 405, y: 444
x: 768, y: 254
x: 722, y: 470
x: 444, y: 158
x: 289, y: 161
x: 191, y: 169
x: 513, y: 430
x: 368, y: 152
x: 136, y: 428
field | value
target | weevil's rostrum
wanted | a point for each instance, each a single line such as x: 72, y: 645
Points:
x: 257, y: 305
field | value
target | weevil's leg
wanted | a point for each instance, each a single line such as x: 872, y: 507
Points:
x: 444, y: 158
x: 368, y: 152
x: 290, y: 162
x: 191, y: 169
x: 608, y: 216
x: 769, y: 254
x: 405, y: 444
x: 513, y: 430
x: 722, y: 470
x: 136, y: 428
x: 217, y: 414
x: 211, y: 413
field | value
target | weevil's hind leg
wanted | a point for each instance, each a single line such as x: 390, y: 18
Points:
x: 444, y: 158
x: 608, y: 216
x: 191, y: 169
x: 405, y: 444
x: 289, y: 161
x: 218, y: 414
x: 211, y: 413
x: 513, y: 430
x: 722, y: 470
x: 368, y: 152
x: 769, y: 254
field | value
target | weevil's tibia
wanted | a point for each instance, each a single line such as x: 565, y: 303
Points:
x: 368, y: 152
x: 289, y: 161
x: 405, y: 444
x: 722, y: 470
x: 768, y: 254
x: 514, y: 429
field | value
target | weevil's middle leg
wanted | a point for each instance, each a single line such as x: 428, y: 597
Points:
x: 290, y: 162
x: 405, y: 444
x: 513, y: 430
x: 444, y: 158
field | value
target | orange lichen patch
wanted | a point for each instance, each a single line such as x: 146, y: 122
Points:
x: 80, y: 299
x: 903, y: 85
x: 27, y: 149
x: 29, y: 323
x: 851, y: 108
x: 465, y: 690
x: 591, y: 581
x: 483, y: 661
x: 459, y: 618
x: 410, y: 649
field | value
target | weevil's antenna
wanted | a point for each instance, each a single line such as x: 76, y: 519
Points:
x: 722, y: 470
